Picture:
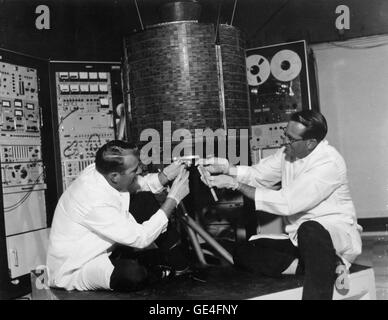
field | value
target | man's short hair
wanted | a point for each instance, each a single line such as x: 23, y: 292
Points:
x: 110, y: 157
x: 315, y: 123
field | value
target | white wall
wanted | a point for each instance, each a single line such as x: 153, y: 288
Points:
x: 353, y: 90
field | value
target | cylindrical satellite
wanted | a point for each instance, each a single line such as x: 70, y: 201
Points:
x: 178, y: 72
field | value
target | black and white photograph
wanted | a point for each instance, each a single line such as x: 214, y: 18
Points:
x: 193, y: 155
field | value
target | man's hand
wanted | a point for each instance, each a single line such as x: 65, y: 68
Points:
x: 223, y: 181
x: 172, y: 170
x: 215, y: 165
x: 180, y: 188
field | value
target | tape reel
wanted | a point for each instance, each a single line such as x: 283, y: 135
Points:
x: 258, y: 69
x: 286, y: 65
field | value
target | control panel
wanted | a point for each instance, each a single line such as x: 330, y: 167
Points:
x: 20, y: 114
x: 268, y: 135
x: 22, y: 168
x: 278, y: 87
x: 278, y: 81
x: 85, y: 118
x: 26, y: 167
x: 20, y: 137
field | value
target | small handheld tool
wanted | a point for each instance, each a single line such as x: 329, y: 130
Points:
x: 203, y: 175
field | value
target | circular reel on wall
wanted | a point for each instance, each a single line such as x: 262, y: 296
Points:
x: 286, y: 65
x: 258, y: 69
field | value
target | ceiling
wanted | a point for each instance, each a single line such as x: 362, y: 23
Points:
x: 94, y: 29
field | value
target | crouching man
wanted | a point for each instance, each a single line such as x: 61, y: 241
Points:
x: 97, y: 219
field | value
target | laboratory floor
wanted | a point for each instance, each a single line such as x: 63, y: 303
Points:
x: 375, y: 254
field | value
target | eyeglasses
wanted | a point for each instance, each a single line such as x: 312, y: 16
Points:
x: 290, y: 140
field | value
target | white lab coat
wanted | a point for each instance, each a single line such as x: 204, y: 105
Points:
x: 89, y: 218
x: 313, y: 188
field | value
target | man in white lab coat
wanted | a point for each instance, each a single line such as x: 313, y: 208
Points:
x: 314, y: 200
x: 93, y: 221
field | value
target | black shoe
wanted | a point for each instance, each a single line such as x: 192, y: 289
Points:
x: 160, y: 272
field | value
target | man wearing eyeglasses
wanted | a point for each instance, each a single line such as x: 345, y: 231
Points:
x: 321, y: 229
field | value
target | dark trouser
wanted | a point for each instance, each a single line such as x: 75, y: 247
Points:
x: 133, y: 270
x: 315, y: 251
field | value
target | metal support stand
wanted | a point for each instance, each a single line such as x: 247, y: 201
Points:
x: 196, y: 245
x: 191, y: 224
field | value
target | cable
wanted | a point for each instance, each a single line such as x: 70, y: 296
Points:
x: 138, y: 14
x: 90, y: 143
x: 19, y: 202
x: 216, y: 40
x: 234, y: 9
x: 25, y: 197
x: 67, y: 115
x: 95, y: 134
x: 75, y: 142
